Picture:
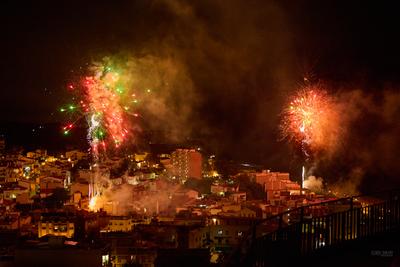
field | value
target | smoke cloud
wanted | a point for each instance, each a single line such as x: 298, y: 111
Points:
x: 367, y: 158
x: 232, y: 65
x: 313, y: 183
x: 167, y: 95
x: 128, y: 199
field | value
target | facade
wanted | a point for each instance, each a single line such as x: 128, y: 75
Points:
x: 9, y: 223
x: 221, y: 233
x: 2, y: 145
x: 83, y: 188
x: 275, y: 183
x: 238, y: 197
x: 76, y: 155
x: 11, y: 193
x: 61, y: 253
x: 186, y: 163
x: 119, y: 224
x: 56, y: 226
x: 3, y: 172
x: 137, y: 256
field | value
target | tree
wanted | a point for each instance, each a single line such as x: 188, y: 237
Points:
x: 252, y: 189
x: 57, y: 199
x: 203, y: 186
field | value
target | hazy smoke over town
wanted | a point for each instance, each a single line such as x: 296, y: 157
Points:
x: 314, y: 184
x: 123, y: 199
x: 167, y: 97
x: 366, y: 156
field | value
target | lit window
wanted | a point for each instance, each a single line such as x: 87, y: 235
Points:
x: 104, y: 260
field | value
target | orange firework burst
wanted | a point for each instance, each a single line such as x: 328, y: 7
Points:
x: 311, y: 120
x: 105, y: 97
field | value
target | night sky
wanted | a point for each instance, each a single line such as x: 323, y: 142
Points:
x: 243, y: 57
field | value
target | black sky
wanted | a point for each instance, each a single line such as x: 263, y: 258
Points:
x: 43, y: 41
x: 244, y: 57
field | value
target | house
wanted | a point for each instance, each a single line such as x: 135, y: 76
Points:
x: 119, y: 224
x: 56, y: 225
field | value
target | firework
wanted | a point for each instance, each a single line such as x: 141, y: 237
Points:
x: 92, y: 203
x: 311, y: 120
x: 108, y: 98
x: 105, y: 99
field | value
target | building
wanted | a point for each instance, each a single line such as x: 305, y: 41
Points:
x: 9, y: 223
x: 83, y: 188
x: 140, y: 156
x: 133, y: 256
x: 60, y: 252
x: 221, y: 233
x: 48, y: 184
x: 276, y: 184
x: 266, y: 176
x: 10, y: 192
x: 38, y: 153
x: 119, y: 224
x: 3, y: 171
x: 2, y: 145
x: 14, y: 221
x: 74, y: 155
x: 238, y: 197
x: 221, y: 189
x: 56, y: 225
x: 186, y: 163
x: 187, y: 193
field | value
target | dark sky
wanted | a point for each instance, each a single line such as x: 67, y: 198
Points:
x: 43, y: 41
x: 244, y: 57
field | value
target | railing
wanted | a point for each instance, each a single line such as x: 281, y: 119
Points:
x: 301, y: 231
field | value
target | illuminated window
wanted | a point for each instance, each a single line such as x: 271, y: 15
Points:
x: 104, y: 260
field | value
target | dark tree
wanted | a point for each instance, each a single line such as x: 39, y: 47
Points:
x: 57, y: 199
x: 252, y: 189
x: 203, y: 186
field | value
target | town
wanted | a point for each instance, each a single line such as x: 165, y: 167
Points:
x: 168, y: 204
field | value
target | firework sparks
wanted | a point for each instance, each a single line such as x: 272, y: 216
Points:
x: 109, y: 97
x: 105, y: 100
x: 93, y: 203
x: 310, y: 120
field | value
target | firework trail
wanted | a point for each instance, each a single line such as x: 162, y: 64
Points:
x: 105, y: 99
